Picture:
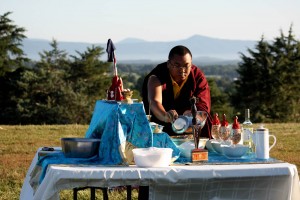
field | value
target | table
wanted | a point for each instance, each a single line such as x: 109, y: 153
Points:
x: 244, y: 181
x: 117, y: 124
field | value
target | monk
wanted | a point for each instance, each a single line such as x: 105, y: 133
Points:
x: 169, y: 87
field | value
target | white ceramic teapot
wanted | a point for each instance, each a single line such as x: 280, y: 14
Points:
x: 261, y: 141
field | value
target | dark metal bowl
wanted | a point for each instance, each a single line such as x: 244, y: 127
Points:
x: 80, y: 147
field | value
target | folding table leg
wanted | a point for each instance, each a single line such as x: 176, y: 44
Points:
x: 93, y: 195
x: 128, y: 188
x: 143, y: 193
x: 75, y: 190
x: 105, y: 195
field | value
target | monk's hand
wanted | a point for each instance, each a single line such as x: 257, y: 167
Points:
x: 172, y: 115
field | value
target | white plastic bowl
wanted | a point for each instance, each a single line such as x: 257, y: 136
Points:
x: 152, y: 157
x: 234, y: 151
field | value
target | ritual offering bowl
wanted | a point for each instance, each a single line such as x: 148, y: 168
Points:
x: 234, y: 151
x: 186, y: 143
x: 127, y: 94
x: 149, y: 117
x: 156, y: 128
x: 187, y: 147
x: 178, y: 140
x: 80, y: 147
x: 152, y: 157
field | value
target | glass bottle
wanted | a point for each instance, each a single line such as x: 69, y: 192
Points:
x: 248, y: 131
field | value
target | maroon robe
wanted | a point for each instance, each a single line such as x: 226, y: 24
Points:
x: 196, y: 85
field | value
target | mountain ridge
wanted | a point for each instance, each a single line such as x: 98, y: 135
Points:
x: 134, y: 49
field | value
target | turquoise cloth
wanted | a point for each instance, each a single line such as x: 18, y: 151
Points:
x: 115, y: 123
x: 163, y: 140
x: 215, y: 158
x: 59, y: 158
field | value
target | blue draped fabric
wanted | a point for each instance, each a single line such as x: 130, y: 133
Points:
x: 116, y: 123
x: 59, y: 158
x: 217, y: 159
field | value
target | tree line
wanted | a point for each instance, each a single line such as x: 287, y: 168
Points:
x: 62, y: 89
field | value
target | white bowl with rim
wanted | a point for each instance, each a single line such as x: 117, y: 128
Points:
x: 217, y: 147
x: 208, y: 145
x: 234, y: 151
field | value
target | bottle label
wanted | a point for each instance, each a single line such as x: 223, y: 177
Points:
x: 247, y: 134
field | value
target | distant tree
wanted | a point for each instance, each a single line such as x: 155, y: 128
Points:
x: 60, y: 90
x: 47, y: 97
x: 139, y: 84
x: 11, y: 36
x: 227, y: 71
x: 89, y: 77
x: 12, y: 60
x: 269, y: 82
x: 219, y: 99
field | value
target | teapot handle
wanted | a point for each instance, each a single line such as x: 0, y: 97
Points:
x: 273, y: 136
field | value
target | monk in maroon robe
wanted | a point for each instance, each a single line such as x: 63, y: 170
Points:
x: 168, y: 88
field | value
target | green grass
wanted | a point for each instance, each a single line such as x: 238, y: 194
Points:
x: 18, y: 145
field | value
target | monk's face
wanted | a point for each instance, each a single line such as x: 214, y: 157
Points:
x: 180, y: 67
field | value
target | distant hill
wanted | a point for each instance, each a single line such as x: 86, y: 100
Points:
x: 204, y: 49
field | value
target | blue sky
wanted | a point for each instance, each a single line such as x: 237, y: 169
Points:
x: 155, y: 20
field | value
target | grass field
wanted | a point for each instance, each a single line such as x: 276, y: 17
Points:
x: 18, y: 145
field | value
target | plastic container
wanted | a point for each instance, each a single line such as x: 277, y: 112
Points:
x: 152, y: 157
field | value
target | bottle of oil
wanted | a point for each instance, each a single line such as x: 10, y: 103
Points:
x: 248, y: 132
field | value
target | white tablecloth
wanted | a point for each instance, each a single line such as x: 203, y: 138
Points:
x: 246, y: 181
